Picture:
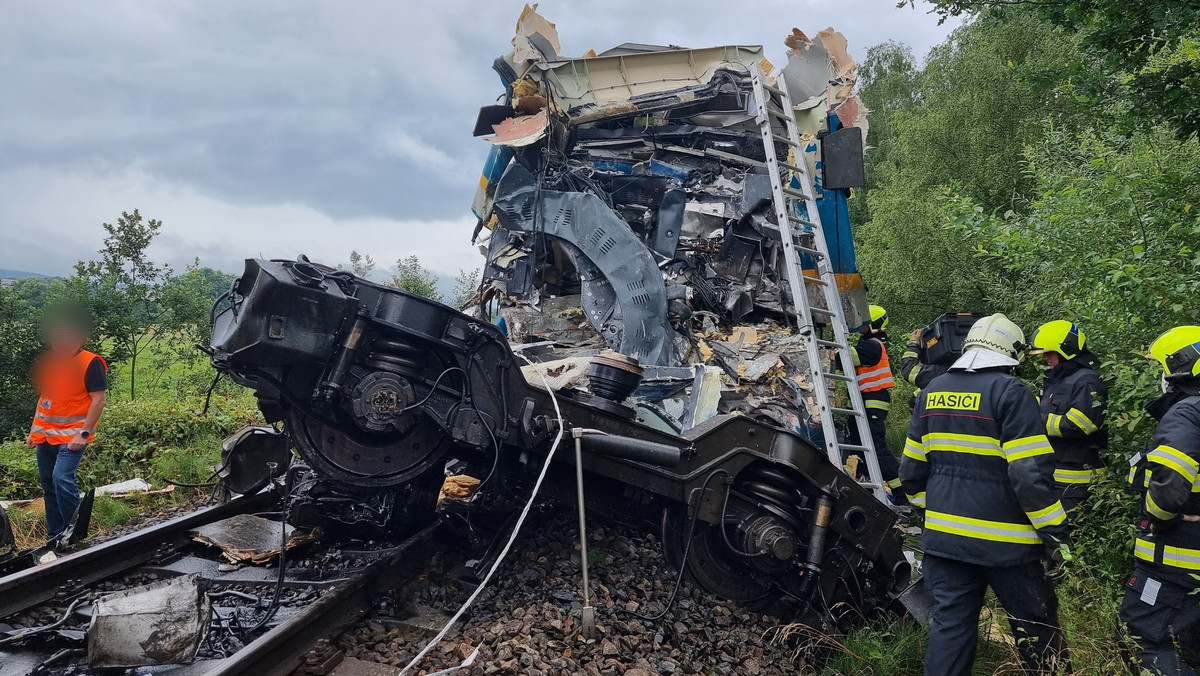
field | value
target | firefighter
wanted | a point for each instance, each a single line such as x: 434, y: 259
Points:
x: 911, y: 369
x: 1162, y: 596
x: 1072, y: 400
x: 875, y: 381
x: 978, y: 462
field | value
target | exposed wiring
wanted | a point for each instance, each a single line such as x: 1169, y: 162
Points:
x: 511, y: 538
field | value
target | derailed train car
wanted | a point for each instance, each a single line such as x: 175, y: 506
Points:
x: 628, y: 238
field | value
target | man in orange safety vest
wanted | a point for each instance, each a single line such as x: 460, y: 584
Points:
x: 71, y: 384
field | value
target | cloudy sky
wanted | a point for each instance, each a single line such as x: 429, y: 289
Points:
x: 277, y: 127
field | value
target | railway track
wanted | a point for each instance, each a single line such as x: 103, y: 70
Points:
x: 323, y: 592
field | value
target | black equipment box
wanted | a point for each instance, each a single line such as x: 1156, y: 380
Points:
x: 942, y: 341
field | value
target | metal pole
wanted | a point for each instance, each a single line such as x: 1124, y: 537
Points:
x: 588, y: 612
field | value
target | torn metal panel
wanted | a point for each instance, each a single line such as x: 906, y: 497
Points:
x: 159, y: 623
x: 637, y: 191
x: 245, y: 538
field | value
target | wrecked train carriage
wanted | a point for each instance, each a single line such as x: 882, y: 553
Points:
x: 380, y: 391
x: 632, y: 184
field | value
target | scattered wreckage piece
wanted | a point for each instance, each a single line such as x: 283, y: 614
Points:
x: 164, y: 622
x: 245, y: 538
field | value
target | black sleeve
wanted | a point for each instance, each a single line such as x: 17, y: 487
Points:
x: 96, y: 377
x: 869, y: 351
x: 1031, y: 462
x: 1174, y: 463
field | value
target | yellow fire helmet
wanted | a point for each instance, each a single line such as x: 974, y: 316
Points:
x: 1178, y: 350
x: 879, y: 320
x: 1059, y: 336
x: 997, y: 333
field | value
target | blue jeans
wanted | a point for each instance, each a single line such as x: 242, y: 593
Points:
x: 57, y: 465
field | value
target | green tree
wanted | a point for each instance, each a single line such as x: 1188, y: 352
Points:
x: 414, y: 278
x: 1149, y: 51
x: 20, y: 343
x: 125, y: 290
x: 466, y: 286
x: 960, y: 123
x: 362, y: 265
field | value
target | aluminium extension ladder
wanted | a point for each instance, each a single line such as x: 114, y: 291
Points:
x: 775, y: 111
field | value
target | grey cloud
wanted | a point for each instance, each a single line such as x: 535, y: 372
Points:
x: 357, y: 110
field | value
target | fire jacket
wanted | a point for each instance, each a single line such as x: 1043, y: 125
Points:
x: 1170, y: 476
x: 978, y: 461
x: 917, y: 374
x: 874, y: 371
x: 63, y: 396
x: 1072, y: 403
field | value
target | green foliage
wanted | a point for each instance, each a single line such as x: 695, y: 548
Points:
x: 362, y: 265
x: 1110, y: 240
x: 466, y: 286
x: 1146, y: 52
x: 960, y: 125
x: 125, y: 289
x: 19, y: 345
x: 414, y: 278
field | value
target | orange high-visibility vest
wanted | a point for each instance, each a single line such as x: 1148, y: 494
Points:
x: 63, y: 399
x: 877, y: 377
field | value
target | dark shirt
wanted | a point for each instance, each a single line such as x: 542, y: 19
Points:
x: 96, y: 377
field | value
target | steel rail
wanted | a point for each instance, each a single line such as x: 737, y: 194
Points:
x: 27, y: 588
x: 281, y: 650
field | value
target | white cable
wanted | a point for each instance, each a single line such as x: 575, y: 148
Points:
x: 537, y: 486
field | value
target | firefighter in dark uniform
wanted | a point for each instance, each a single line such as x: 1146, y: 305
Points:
x: 1162, y: 597
x: 978, y: 462
x: 875, y: 381
x: 911, y: 369
x: 1072, y: 401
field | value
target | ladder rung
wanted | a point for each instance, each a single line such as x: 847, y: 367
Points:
x: 795, y: 193
x: 870, y: 484
x: 839, y: 376
x: 846, y: 411
x: 771, y: 88
x: 784, y: 140
x: 803, y: 249
x: 823, y: 311
x: 801, y: 221
x: 794, y: 168
x: 831, y: 344
x: 815, y: 281
x: 853, y: 447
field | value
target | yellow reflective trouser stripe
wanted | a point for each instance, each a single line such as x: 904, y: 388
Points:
x: 1050, y: 516
x: 962, y: 443
x: 1054, y: 425
x: 917, y: 500
x: 914, y: 449
x: 1082, y: 421
x: 1027, y: 447
x: 1076, y: 476
x: 1179, y: 557
x: 1177, y: 460
x: 1156, y: 511
x: 878, y: 404
x: 982, y: 529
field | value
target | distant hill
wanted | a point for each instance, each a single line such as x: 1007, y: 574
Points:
x: 18, y: 274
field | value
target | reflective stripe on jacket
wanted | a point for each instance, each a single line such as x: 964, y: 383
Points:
x: 876, y: 374
x: 1073, y: 406
x: 63, y: 399
x: 978, y: 460
x: 1171, y: 482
